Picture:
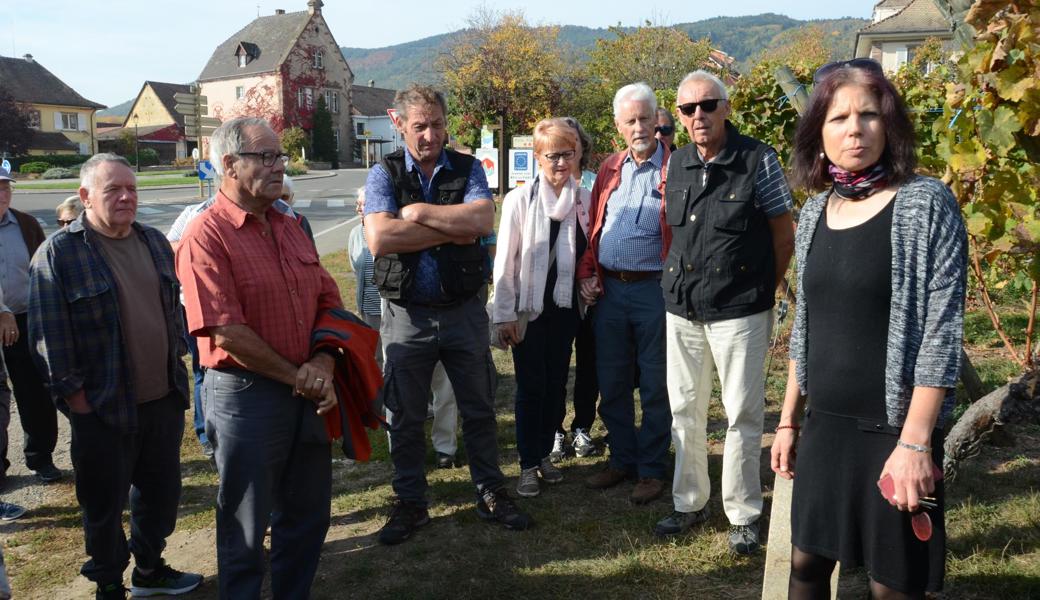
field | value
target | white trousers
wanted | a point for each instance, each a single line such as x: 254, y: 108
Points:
x: 737, y: 348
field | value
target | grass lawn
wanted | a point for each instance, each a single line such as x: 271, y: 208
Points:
x: 145, y: 180
x: 586, y: 543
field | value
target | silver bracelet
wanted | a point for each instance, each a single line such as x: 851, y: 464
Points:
x: 914, y: 447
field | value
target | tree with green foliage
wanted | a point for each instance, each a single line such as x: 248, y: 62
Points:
x: 323, y: 140
x: 294, y: 140
x: 922, y: 83
x: 15, y: 132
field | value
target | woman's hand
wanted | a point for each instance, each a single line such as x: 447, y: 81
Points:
x: 590, y: 289
x: 912, y: 477
x: 784, y: 452
x: 509, y: 333
x: 8, y: 329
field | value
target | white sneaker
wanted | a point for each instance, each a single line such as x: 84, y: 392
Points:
x: 582, y: 443
x: 528, y: 486
x: 559, y: 449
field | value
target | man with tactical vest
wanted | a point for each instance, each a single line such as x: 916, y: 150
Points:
x: 729, y: 209
x: 426, y: 208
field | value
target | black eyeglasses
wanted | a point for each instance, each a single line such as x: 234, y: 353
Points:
x: 268, y: 158
x: 566, y: 156
x: 665, y: 129
x: 64, y: 222
x: 707, y: 106
x: 867, y: 64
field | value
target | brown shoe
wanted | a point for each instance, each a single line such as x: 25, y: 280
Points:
x: 608, y: 477
x: 647, y: 490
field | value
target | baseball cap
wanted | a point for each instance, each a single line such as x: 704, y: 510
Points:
x: 5, y: 171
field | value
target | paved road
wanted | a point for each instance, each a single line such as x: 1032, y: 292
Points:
x: 327, y: 202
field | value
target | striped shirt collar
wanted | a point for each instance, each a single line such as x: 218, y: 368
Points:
x: 657, y: 159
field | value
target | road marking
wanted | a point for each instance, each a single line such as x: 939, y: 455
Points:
x: 335, y: 227
x: 148, y: 210
x: 302, y: 204
x: 336, y: 202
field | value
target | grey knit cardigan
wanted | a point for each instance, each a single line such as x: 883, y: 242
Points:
x: 929, y: 273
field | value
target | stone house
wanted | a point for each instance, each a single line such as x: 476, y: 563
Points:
x: 276, y: 68
x: 153, y: 122
x: 64, y: 122
x: 898, y: 27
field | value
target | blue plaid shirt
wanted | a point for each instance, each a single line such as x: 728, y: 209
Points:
x: 74, y: 327
x: 631, y: 238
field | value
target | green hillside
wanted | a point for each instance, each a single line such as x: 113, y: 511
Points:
x: 743, y: 38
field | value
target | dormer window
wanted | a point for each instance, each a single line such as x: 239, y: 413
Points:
x: 319, y: 59
x: 242, y: 59
x: 246, y: 53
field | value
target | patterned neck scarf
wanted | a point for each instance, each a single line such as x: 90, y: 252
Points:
x: 860, y: 184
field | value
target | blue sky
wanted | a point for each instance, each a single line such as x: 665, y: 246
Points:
x: 107, y: 53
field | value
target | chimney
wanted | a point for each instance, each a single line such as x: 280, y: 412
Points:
x: 314, y: 6
x: 29, y: 58
x: 279, y: 11
x: 371, y: 83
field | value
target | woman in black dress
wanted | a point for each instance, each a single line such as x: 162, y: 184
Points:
x: 875, y: 348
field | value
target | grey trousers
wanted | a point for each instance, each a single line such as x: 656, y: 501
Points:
x: 414, y: 339
x: 274, y: 461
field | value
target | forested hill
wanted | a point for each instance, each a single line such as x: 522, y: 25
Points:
x: 743, y: 38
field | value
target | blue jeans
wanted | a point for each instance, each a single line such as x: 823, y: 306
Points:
x: 199, y: 375
x: 629, y: 331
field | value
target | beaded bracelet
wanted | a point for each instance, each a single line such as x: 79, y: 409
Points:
x: 794, y: 427
x: 914, y: 447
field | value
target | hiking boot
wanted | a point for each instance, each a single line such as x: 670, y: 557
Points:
x: 404, y: 519
x: 647, y: 490
x: 528, y: 485
x: 679, y: 521
x: 549, y: 472
x: 608, y: 477
x: 48, y: 473
x: 110, y: 591
x: 445, y: 460
x: 743, y: 539
x: 164, y: 580
x: 559, y: 449
x: 10, y: 512
x: 496, y: 505
x: 583, y: 445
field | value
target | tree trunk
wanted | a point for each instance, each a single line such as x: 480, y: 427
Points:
x: 1016, y: 402
x: 970, y: 378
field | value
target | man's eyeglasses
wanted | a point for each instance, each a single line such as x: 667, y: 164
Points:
x: 268, y: 158
x: 554, y: 157
x: 867, y: 64
x: 707, y: 106
x: 665, y: 129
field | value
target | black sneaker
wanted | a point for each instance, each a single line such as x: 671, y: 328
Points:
x: 405, y: 518
x: 110, y: 591
x: 743, y: 539
x: 164, y: 580
x: 48, y: 473
x: 496, y: 505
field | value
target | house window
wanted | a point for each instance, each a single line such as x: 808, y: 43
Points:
x: 335, y: 134
x: 70, y: 121
x: 328, y: 100
x: 308, y: 97
x: 334, y: 106
x: 34, y: 119
x: 242, y: 59
x: 299, y: 97
x: 240, y: 91
x: 319, y: 59
x: 361, y: 129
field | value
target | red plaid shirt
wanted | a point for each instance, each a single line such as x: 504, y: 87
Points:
x: 232, y: 274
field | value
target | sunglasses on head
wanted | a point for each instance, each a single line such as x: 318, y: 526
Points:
x: 665, y: 129
x: 867, y: 64
x: 706, y: 105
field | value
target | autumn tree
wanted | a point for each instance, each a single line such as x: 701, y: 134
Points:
x: 323, y: 141
x: 294, y: 140
x: 660, y: 56
x: 15, y: 132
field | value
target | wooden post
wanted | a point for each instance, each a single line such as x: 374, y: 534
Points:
x: 503, y: 154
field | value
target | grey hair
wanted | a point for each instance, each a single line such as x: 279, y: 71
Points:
x: 638, y: 92
x: 71, y: 203
x: 228, y: 139
x: 418, y: 95
x: 702, y: 75
x: 86, y: 170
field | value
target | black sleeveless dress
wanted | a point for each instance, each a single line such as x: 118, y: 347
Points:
x: 837, y: 511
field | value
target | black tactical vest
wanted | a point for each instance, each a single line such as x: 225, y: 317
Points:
x: 721, y: 262
x: 462, y: 269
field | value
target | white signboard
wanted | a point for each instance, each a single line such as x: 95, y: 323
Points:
x: 487, y: 138
x: 521, y: 166
x: 488, y: 158
x: 523, y: 141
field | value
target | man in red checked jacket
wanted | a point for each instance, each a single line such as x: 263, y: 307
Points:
x: 253, y: 292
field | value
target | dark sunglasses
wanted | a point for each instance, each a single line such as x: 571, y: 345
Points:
x: 665, y: 129
x: 64, y: 222
x: 268, y: 158
x: 707, y: 106
x: 867, y: 64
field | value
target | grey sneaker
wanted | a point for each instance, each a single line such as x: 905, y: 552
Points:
x: 528, y: 485
x: 582, y: 443
x: 10, y: 512
x: 559, y: 449
x: 679, y: 521
x: 743, y: 539
x: 549, y: 472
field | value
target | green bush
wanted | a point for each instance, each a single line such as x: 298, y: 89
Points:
x: 33, y: 167
x: 148, y: 156
x: 64, y: 160
x: 296, y: 167
x: 58, y: 173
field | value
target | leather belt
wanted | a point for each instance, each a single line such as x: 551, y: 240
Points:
x: 632, y: 276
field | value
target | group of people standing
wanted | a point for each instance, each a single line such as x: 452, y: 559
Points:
x: 671, y: 263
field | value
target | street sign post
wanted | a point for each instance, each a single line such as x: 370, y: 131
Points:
x: 521, y: 166
x: 206, y: 170
x: 523, y: 141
